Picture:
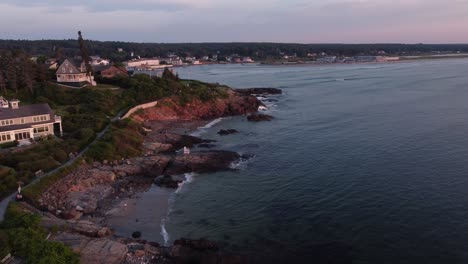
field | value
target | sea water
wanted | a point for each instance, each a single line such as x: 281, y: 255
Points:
x: 363, y: 163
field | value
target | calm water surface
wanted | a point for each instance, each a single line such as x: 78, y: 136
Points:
x: 364, y: 163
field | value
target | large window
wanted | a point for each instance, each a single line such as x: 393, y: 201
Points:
x: 5, y: 137
x: 22, y: 135
x: 41, y: 129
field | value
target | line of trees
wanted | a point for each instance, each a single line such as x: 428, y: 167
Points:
x: 18, y: 73
x: 259, y: 51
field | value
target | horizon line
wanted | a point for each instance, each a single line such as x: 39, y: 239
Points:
x: 245, y: 42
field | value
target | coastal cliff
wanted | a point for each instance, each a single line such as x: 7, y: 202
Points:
x: 171, y: 108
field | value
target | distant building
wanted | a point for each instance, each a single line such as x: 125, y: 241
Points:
x: 366, y: 58
x: 120, y: 50
x: 52, y: 63
x: 141, y: 62
x: 96, y: 60
x: 247, y: 60
x: 328, y: 59
x: 109, y: 71
x: 70, y: 74
x: 26, y: 122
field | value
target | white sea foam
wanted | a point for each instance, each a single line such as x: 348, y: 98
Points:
x: 241, y: 163
x: 164, y: 232
x: 262, y: 108
x: 212, y: 123
x: 203, y: 129
x: 188, y: 179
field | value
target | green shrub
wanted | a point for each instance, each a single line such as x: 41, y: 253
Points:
x: 9, y: 144
x: 22, y: 235
x: 59, y: 155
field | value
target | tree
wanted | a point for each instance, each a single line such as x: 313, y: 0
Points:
x: 169, y: 74
x: 85, y: 55
x: 2, y: 83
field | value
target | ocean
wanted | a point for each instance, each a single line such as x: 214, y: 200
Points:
x: 363, y: 163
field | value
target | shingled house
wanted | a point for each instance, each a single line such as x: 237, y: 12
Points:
x: 110, y: 71
x: 73, y: 74
x: 26, y: 122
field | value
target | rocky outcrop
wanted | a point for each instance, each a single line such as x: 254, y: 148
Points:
x: 259, y: 117
x: 206, y: 145
x: 202, y: 162
x: 168, y: 181
x: 258, y: 91
x: 80, y: 191
x: 171, y: 109
x: 94, y: 251
x: 169, y: 142
x: 224, y: 132
x: 83, y: 227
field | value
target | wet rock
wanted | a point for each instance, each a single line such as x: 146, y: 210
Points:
x: 167, y: 142
x: 167, y: 181
x: 259, y: 117
x: 224, y: 132
x: 103, y: 251
x: 202, y: 162
x: 255, y: 91
x: 206, y: 145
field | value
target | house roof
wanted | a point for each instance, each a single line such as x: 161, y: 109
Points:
x: 70, y: 67
x: 101, y: 68
x: 24, y: 111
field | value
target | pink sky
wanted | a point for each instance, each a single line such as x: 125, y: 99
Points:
x: 304, y: 21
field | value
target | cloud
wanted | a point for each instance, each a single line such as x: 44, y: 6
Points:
x: 112, y: 5
x: 241, y: 20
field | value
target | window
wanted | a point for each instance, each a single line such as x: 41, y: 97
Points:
x: 41, y: 129
x: 5, y: 137
x: 22, y: 135
x: 22, y: 120
x: 7, y: 122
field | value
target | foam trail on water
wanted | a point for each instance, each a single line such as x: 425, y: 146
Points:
x: 203, y: 129
x: 188, y: 179
x: 164, y: 232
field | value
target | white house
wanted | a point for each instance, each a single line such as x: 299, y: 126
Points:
x: 26, y: 122
x: 70, y: 74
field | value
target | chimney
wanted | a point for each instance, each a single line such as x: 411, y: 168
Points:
x: 14, y: 103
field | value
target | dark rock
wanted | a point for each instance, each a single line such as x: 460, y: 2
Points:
x: 167, y: 181
x: 206, y: 145
x: 252, y: 91
x: 169, y: 143
x: 224, y: 132
x: 202, y: 162
x: 259, y: 117
x: 199, y: 244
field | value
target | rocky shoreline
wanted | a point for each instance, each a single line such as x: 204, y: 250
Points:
x: 81, y: 201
